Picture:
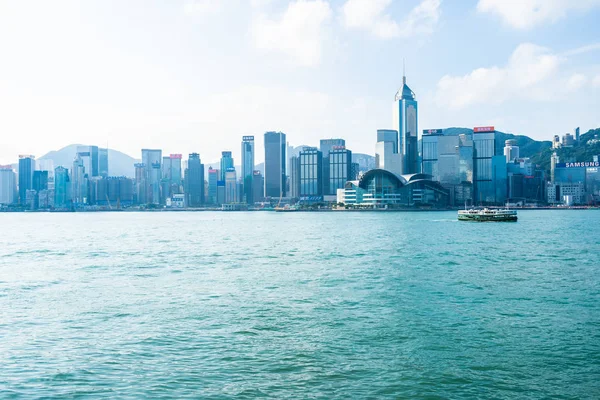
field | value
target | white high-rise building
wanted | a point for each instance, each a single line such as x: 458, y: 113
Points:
x: 387, y: 154
x: 511, y: 150
x: 8, y: 185
x: 78, y: 182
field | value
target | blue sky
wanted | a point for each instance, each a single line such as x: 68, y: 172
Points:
x: 197, y: 75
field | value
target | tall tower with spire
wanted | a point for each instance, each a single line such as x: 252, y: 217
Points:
x: 405, y: 122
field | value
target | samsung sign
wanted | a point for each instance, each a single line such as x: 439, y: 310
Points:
x: 586, y: 164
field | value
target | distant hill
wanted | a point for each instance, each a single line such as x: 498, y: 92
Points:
x: 119, y: 164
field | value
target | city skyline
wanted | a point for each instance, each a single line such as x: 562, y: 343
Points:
x: 312, y: 69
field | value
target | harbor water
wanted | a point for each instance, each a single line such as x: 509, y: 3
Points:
x: 325, y: 305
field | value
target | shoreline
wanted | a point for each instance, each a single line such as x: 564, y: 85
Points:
x: 288, y: 211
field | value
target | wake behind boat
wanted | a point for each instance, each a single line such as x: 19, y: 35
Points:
x: 487, y: 215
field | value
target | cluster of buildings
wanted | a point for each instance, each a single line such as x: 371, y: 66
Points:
x: 573, y: 183
x: 39, y: 185
x: 568, y: 140
x: 438, y: 170
x: 170, y: 181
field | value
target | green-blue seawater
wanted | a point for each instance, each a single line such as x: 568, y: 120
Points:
x: 326, y: 305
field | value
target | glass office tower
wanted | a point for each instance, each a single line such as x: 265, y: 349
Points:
x: 311, y: 172
x: 151, y: 158
x: 275, y: 165
x: 90, y: 158
x: 387, y: 155
x: 26, y: 168
x: 405, y: 121
x: 326, y: 146
x: 226, y: 163
x: 340, y: 169
x: 194, y: 181
x: 103, y: 162
x: 489, y: 170
x: 248, y: 167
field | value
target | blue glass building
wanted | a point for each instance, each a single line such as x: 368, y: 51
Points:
x: 62, y: 186
x: 405, y: 121
x: 194, y: 181
x: 26, y: 168
x: 310, y: 161
x: 275, y: 165
x: 340, y: 169
x: 226, y: 162
x: 248, y: 168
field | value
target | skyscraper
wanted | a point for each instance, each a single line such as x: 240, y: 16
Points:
x: 61, y: 187
x: 405, y: 120
x: 103, y: 162
x: 26, y: 168
x: 226, y: 162
x: 213, y: 178
x: 554, y: 159
x: 8, y: 185
x: 294, y: 171
x: 220, y: 192
x: 46, y: 165
x: 449, y: 160
x: 40, y: 180
x: 151, y: 158
x: 511, y: 150
x: 429, y: 152
x: 230, y: 186
x: 387, y: 154
x: 258, y: 183
x: 171, y: 174
x: 79, y: 188
x: 311, y: 172
x: 89, y: 157
x: 194, y: 181
x: 490, y: 173
x: 275, y: 160
x: 248, y: 167
x: 325, y: 146
x: 139, y: 183
x: 340, y: 169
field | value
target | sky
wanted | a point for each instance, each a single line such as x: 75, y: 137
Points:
x: 197, y: 75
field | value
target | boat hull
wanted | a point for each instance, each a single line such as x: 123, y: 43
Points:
x: 488, y: 218
x: 487, y: 215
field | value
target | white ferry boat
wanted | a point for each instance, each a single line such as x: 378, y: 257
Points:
x: 487, y: 215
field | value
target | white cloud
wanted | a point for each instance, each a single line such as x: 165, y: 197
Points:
x: 583, y: 49
x: 527, y: 74
x: 576, y: 82
x: 370, y: 15
x: 298, y: 33
x: 596, y: 81
x: 202, y: 7
x: 525, y: 14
